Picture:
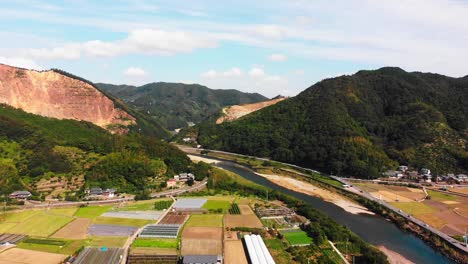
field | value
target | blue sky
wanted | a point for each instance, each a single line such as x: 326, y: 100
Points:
x: 271, y: 47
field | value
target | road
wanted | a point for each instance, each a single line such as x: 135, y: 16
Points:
x: 442, y: 235
x: 175, y: 192
x: 131, y: 239
x: 420, y: 223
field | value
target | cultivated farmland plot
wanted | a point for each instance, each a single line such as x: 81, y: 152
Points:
x: 164, y: 231
x: 25, y: 256
x: 96, y: 255
x: 111, y: 230
x: 147, y: 215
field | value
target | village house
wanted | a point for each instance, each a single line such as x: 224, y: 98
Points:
x: 171, y: 183
x: 183, y: 177
x: 20, y: 195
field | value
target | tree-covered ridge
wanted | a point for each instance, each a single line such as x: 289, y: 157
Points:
x: 175, y: 104
x: 144, y: 124
x: 359, y: 125
x: 34, y: 148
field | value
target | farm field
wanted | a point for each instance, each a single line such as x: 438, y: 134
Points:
x: 391, y: 193
x: 68, y: 247
x: 205, y: 220
x: 153, y: 250
x: 201, y: 241
x: 217, y: 205
x: 91, y: 211
x: 297, y: 237
x: 143, y: 215
x: 446, y: 212
x: 245, y: 209
x: 250, y: 221
x: 122, y: 221
x: 77, y: 229
x: 111, y: 230
x: 141, y: 205
x: 174, y: 218
x: 36, y: 222
x: 155, y: 243
x: 234, y: 252
x: 25, y: 256
x: 278, y: 251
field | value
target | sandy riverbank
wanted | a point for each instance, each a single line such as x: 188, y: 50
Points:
x: 206, y: 160
x: 306, y: 188
x: 394, y: 257
x: 310, y: 189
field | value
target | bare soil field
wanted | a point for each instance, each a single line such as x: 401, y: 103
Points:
x: 460, y: 190
x: 77, y: 229
x: 202, y: 241
x: 251, y: 221
x: 245, y: 209
x: 234, y: 252
x: 391, y: 193
x: 201, y: 247
x: 202, y: 233
x: 174, y: 218
x: 25, y: 256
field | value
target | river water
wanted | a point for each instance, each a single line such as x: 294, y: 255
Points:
x: 373, y: 229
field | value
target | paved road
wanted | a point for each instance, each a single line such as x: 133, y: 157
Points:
x: 195, y: 187
x: 444, y: 236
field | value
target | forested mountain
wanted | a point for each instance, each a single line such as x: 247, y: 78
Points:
x: 359, y: 125
x: 35, y: 148
x: 174, y: 105
x: 62, y: 95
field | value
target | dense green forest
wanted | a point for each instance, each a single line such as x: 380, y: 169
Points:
x: 34, y: 147
x: 358, y: 125
x: 173, y: 105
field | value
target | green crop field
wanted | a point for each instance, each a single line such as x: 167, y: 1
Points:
x: 208, y: 220
x: 217, y: 205
x: 34, y: 222
x: 59, y: 246
x: 100, y: 241
x: 438, y: 196
x: 156, y: 243
x: 297, y: 238
x: 91, y: 211
x: 122, y: 221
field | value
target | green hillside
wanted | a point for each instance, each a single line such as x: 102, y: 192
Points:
x: 359, y: 125
x: 34, y: 148
x: 173, y: 105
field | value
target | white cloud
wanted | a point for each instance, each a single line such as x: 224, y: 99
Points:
x: 142, y: 41
x: 20, y: 62
x: 277, y: 57
x: 256, y: 72
x: 210, y: 74
x: 234, y: 72
x: 299, y: 72
x: 135, y: 72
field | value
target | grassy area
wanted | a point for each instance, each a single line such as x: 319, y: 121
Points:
x: 157, y: 243
x: 122, y: 221
x: 208, y: 220
x: 414, y: 208
x: 278, y: 251
x: 64, y: 211
x: 440, y: 197
x: 99, y: 241
x: 59, y: 246
x: 217, y: 205
x: 163, y: 204
x: 35, y: 222
x: 297, y: 237
x: 91, y: 211
x: 332, y: 255
x: 141, y: 205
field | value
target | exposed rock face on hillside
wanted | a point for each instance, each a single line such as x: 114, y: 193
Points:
x: 52, y: 94
x: 234, y: 112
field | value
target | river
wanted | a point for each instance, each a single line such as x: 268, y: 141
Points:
x: 373, y: 229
